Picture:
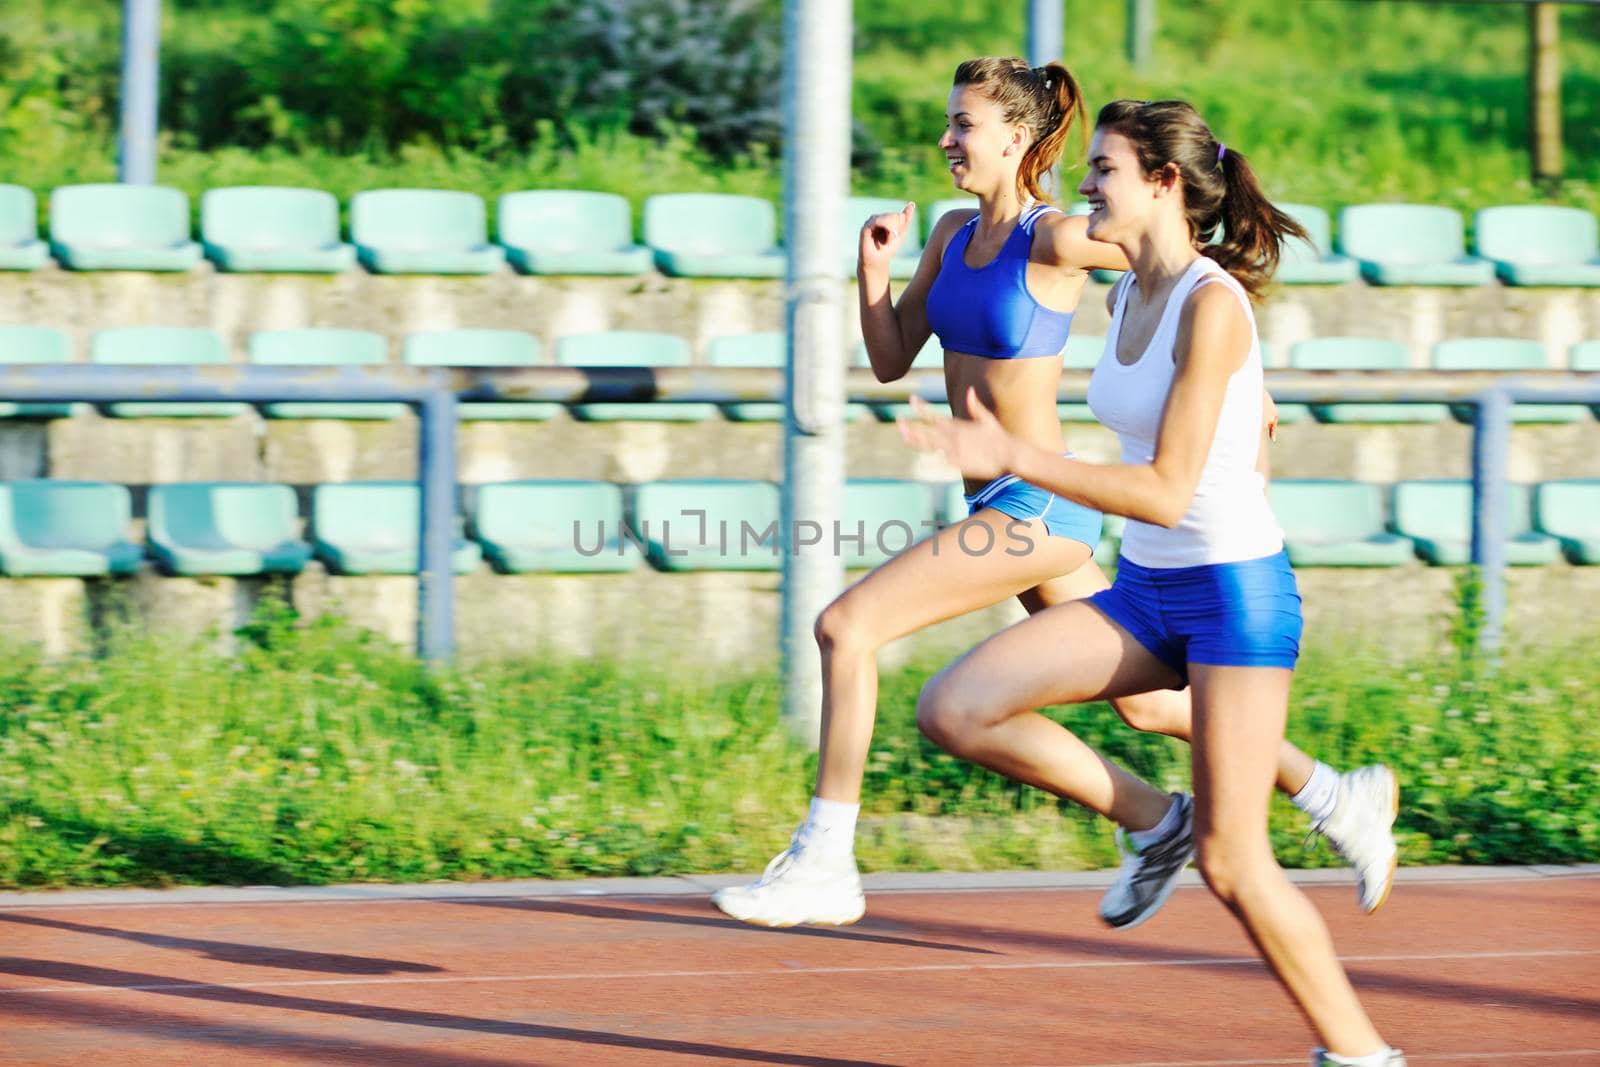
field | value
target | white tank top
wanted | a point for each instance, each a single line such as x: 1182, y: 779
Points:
x: 1229, y: 519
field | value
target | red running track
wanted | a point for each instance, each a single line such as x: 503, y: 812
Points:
x: 1474, y: 972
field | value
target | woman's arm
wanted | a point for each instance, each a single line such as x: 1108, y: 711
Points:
x: 1066, y: 243
x: 895, y: 332
x: 1213, y: 342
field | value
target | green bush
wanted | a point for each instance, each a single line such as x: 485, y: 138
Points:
x: 320, y: 754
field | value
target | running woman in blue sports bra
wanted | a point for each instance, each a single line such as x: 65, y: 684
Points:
x: 1204, y: 595
x: 998, y: 285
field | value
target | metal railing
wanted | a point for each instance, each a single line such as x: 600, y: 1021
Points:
x: 435, y: 392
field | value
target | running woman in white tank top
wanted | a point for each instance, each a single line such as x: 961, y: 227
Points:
x: 1203, y: 595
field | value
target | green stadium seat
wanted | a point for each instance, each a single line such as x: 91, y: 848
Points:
x: 373, y: 528
x: 1437, y: 515
x: 1335, y: 524
x: 423, y: 231
x: 929, y: 357
x: 708, y: 525
x: 237, y: 528
x: 858, y: 209
x: 20, y: 247
x: 552, y: 526
x: 1584, y: 356
x: 1410, y: 244
x: 953, y: 504
x: 1540, y: 244
x: 768, y: 349
x: 1082, y: 353
x: 322, y: 348
x: 939, y: 208
x: 565, y: 231
x: 713, y: 235
x: 1107, y: 552
x: 121, y: 227
x: 889, y: 515
x: 482, y: 348
x: 34, y: 344
x: 1503, y: 354
x: 1570, y: 511
x: 631, y: 348
x: 1314, y: 263
x: 163, y: 345
x: 65, y: 529
x: 272, y: 229
x: 1361, y: 353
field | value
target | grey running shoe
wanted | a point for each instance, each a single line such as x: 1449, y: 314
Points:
x: 1320, y: 1057
x: 1150, y: 874
x: 1361, y: 829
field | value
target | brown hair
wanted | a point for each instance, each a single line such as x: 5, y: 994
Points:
x: 1220, y: 191
x: 1044, y: 99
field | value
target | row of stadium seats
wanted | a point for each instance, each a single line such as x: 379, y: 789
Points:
x: 513, y: 348
x: 703, y: 235
x: 234, y: 528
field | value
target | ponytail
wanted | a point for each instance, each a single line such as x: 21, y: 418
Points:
x: 1047, y: 100
x: 1220, y: 191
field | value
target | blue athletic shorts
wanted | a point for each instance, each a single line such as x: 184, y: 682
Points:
x: 1012, y: 496
x: 1244, y: 614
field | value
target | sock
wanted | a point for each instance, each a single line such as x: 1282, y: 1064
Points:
x: 1319, y: 795
x: 831, y: 825
x: 1372, y: 1059
x: 1143, y: 839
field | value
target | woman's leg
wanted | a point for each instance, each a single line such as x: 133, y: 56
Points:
x: 1239, y: 715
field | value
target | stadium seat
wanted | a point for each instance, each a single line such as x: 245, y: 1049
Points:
x: 1109, y: 550
x: 631, y: 348
x: 1540, y: 244
x: 323, y: 348
x: 708, y: 525
x: 858, y: 209
x: 34, y: 344
x: 882, y: 517
x: 1361, y: 353
x: 373, y: 528
x: 565, y: 231
x: 713, y: 235
x: 1503, y: 354
x: 1082, y: 353
x: 270, y: 229
x: 65, y: 529
x: 929, y: 357
x: 1585, y: 356
x: 422, y: 231
x: 759, y: 350
x: 1570, y: 511
x: 20, y: 247
x: 1335, y: 524
x: 233, y: 528
x: 1314, y: 263
x: 1410, y: 244
x: 559, y: 526
x: 482, y: 348
x: 163, y: 345
x: 121, y: 227
x: 1437, y: 516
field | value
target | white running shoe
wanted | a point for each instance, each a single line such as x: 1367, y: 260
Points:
x: 1320, y: 1057
x: 1150, y: 874
x: 802, y: 885
x: 1361, y: 829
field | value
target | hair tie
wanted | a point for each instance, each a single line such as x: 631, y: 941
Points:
x: 1222, y: 150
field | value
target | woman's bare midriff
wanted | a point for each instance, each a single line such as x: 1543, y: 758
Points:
x: 1020, y: 392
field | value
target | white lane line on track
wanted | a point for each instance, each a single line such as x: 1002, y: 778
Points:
x: 619, y: 976
x: 1451, y: 1057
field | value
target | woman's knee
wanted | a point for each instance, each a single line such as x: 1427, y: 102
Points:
x: 839, y: 626
x: 946, y: 714
x: 1232, y: 869
x: 1159, y: 712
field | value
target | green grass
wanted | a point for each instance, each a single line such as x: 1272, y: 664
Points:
x: 323, y: 755
x: 1334, y: 102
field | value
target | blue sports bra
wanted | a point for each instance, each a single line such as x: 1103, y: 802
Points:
x: 988, y: 311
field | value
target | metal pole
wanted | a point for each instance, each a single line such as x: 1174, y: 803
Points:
x: 141, y: 60
x: 1141, y: 31
x: 436, y: 604
x: 1044, y: 31
x: 1491, y: 447
x: 1544, y: 92
x: 816, y: 179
